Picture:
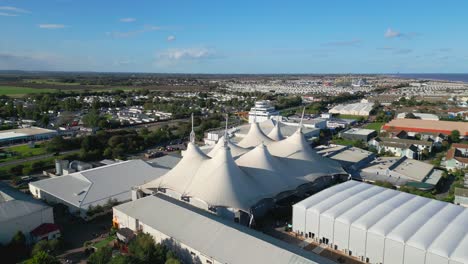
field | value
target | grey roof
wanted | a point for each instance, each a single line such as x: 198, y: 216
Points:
x: 227, y: 241
x: 430, y: 225
x: 166, y: 161
x: 97, y: 185
x: 398, y: 168
x: 14, y: 204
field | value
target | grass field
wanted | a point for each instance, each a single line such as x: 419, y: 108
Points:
x: 19, y: 91
x: 23, y: 151
x: 52, y: 82
x: 355, y: 117
x: 375, y: 126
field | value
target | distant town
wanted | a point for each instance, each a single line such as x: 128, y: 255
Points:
x: 186, y: 168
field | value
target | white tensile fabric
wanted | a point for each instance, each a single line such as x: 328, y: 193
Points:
x: 275, y: 133
x: 236, y: 151
x: 254, y: 175
x: 254, y: 137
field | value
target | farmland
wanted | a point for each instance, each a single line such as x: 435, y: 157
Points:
x: 20, y: 91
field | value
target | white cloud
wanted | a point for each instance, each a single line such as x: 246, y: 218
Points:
x: 7, y: 14
x: 51, y: 26
x: 171, y: 38
x: 186, y: 54
x: 390, y: 33
x: 14, y: 9
x: 128, y: 19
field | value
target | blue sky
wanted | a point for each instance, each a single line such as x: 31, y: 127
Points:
x: 205, y: 36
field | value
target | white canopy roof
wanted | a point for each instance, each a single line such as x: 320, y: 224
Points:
x: 296, y: 147
x: 254, y: 137
x: 430, y: 225
x: 181, y: 175
x: 240, y: 184
x: 236, y: 151
x: 275, y: 133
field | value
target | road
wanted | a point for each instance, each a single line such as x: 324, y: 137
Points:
x: 39, y: 157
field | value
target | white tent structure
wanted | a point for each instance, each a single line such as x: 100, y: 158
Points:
x: 236, y: 150
x: 254, y: 137
x: 225, y: 185
x: 381, y: 225
x: 275, y: 133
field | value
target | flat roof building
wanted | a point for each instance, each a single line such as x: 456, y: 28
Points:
x: 359, y: 134
x: 21, y: 135
x: 380, y: 225
x: 351, y: 158
x: 360, y: 109
x: 207, y: 238
x: 20, y: 212
x: 431, y: 126
x: 80, y: 190
x: 400, y: 172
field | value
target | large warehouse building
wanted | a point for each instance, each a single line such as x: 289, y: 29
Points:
x: 20, y: 212
x: 379, y: 225
x: 415, y: 126
x: 21, y: 135
x: 83, y: 190
x: 198, y: 236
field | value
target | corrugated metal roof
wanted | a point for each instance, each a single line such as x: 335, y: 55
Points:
x: 16, y: 204
x: 97, y: 185
x: 223, y: 240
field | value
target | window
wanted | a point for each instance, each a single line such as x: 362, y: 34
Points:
x: 310, y: 234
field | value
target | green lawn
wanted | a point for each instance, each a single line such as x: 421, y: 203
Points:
x: 19, y: 91
x: 53, y: 82
x: 104, y: 243
x: 355, y: 117
x: 375, y: 126
x: 23, y: 151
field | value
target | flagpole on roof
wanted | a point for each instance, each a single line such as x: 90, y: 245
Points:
x: 226, y: 132
x: 302, y: 119
x: 192, y: 133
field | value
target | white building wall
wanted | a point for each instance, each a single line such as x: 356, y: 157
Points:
x: 414, y: 255
x: 312, y: 223
x: 435, y: 259
x: 357, y: 241
x: 299, y: 219
x: 394, y: 252
x: 326, y: 228
x: 375, y: 246
x: 24, y: 224
x: 341, y: 235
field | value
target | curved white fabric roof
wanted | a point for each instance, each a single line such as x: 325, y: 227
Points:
x: 254, y: 137
x: 240, y: 184
x: 220, y: 182
x: 180, y: 176
x: 433, y: 226
x: 275, y: 133
x: 236, y: 151
x: 296, y: 147
x: 267, y: 170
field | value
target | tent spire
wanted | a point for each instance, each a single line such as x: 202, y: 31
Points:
x: 192, y: 133
x: 302, y: 119
x: 226, y: 132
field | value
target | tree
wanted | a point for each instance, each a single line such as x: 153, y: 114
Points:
x: 172, y: 261
x: 101, y: 256
x: 18, y: 239
x: 145, y: 250
x: 455, y: 136
x: 49, y: 246
x: 41, y: 257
